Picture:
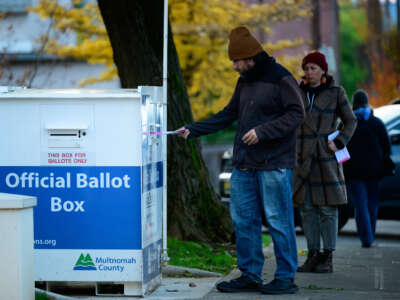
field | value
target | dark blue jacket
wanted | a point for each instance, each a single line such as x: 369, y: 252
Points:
x: 368, y: 148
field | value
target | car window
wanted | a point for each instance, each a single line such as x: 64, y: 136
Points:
x: 396, y: 127
x: 394, y: 135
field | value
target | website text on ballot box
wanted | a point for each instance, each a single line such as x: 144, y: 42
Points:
x: 98, y: 178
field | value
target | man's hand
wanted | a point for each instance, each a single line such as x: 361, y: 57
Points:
x: 250, y: 138
x: 332, y: 146
x: 185, y: 132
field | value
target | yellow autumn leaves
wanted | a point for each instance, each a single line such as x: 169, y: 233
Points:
x: 83, y: 20
x: 200, y: 29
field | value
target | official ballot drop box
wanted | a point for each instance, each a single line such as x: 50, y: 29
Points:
x: 96, y: 167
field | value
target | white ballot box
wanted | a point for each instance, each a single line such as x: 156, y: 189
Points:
x: 97, y: 172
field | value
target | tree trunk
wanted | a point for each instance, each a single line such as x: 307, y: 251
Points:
x: 316, y: 25
x: 135, y: 29
x: 387, y: 20
x: 374, y: 20
x: 398, y: 16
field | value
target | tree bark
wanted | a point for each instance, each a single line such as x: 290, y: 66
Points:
x: 374, y: 19
x: 135, y: 29
x: 315, y: 25
x: 398, y: 16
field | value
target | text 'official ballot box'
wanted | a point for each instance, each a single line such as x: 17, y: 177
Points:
x: 97, y: 172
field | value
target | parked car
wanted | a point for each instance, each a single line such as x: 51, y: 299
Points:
x: 395, y: 101
x: 389, y: 203
x: 389, y: 206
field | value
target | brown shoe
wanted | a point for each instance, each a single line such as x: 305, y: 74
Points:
x: 325, y: 264
x: 311, y: 261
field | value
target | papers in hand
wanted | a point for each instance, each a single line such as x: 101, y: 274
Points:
x: 164, y: 132
x: 174, y: 131
x: 342, y: 155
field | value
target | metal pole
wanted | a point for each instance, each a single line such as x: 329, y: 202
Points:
x: 164, y: 255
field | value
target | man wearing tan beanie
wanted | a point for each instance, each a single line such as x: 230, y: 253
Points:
x: 268, y: 107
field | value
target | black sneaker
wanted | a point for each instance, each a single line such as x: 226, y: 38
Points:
x: 280, y: 286
x: 241, y: 284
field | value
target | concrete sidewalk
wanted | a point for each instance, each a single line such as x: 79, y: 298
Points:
x: 359, y: 274
x: 384, y: 229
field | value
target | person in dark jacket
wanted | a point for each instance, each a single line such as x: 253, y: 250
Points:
x: 319, y: 185
x: 368, y: 148
x: 267, y: 105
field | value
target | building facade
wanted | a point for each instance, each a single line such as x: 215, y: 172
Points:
x: 23, y: 61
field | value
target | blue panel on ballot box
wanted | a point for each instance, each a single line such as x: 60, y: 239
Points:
x: 151, y: 261
x: 152, y: 176
x: 80, y: 207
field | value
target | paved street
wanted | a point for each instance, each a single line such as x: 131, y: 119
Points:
x: 364, y: 274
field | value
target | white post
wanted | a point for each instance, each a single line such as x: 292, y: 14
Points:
x: 16, y: 250
x: 164, y: 256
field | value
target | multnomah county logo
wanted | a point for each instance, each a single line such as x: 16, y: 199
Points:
x: 85, y: 263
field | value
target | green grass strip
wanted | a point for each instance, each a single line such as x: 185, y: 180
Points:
x: 41, y: 296
x: 200, y: 256
x: 219, y: 258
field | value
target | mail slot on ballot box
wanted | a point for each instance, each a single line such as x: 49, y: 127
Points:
x: 97, y: 173
x: 66, y: 137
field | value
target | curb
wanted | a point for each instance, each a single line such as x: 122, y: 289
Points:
x: 187, y: 272
x: 268, y: 253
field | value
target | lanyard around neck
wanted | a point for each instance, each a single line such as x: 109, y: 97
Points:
x: 310, y: 102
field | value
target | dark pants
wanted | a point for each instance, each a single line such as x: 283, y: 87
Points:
x: 319, y: 222
x: 365, y: 197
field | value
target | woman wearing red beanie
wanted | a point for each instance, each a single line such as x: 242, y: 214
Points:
x: 319, y: 185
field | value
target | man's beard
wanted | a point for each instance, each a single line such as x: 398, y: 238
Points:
x: 248, y: 72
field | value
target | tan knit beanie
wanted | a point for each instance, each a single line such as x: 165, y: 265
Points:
x: 242, y: 44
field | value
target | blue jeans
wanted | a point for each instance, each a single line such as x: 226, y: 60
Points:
x: 365, y: 197
x: 252, y: 191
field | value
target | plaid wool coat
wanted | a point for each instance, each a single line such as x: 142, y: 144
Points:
x: 317, y: 166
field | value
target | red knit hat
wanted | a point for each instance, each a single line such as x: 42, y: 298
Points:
x: 316, y: 58
x: 242, y: 44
